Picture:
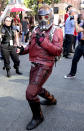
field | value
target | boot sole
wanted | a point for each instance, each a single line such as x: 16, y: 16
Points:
x: 45, y: 102
x: 35, y: 125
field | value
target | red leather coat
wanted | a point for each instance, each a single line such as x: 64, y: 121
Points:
x: 47, y: 51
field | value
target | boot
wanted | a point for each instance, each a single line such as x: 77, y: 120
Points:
x: 4, y: 67
x: 8, y: 73
x: 50, y: 100
x: 37, y: 115
x: 17, y: 71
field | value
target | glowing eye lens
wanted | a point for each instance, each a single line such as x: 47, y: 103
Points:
x: 46, y: 17
x: 40, y: 18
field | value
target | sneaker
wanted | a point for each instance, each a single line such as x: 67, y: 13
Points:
x: 69, y: 76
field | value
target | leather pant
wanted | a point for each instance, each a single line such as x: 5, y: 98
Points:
x: 38, y: 75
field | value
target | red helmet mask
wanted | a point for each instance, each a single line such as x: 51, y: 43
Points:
x: 45, y: 17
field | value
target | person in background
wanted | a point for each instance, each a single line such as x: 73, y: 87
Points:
x: 79, y: 19
x: 30, y: 27
x: 28, y: 31
x: 17, y: 23
x: 1, y: 57
x: 75, y: 40
x: 7, y: 46
x: 69, y: 7
x: 69, y: 34
x: 16, y: 31
x: 24, y: 28
x: 31, y: 23
x: 17, y: 20
x: 75, y: 33
x: 43, y: 48
x: 79, y: 52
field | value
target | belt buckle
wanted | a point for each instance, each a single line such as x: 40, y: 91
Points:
x: 32, y: 64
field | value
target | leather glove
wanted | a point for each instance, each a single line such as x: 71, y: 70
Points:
x: 39, y: 38
x: 21, y: 49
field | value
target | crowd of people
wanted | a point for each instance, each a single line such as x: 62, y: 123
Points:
x: 15, y: 32
x: 44, y: 47
x: 72, y: 36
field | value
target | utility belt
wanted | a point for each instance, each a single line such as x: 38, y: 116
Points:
x: 6, y: 44
x: 35, y: 64
x: 10, y: 43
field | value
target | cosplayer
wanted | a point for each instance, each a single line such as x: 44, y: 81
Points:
x: 45, y: 44
x: 8, y: 48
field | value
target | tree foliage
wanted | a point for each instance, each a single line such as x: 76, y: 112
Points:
x: 50, y: 1
x: 29, y: 3
x: 3, y: 4
x: 33, y: 3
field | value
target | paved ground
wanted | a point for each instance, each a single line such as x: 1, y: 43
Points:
x: 67, y: 115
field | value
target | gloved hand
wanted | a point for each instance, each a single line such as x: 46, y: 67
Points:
x: 39, y: 38
x: 21, y: 49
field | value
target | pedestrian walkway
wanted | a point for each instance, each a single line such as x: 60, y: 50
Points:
x: 67, y: 115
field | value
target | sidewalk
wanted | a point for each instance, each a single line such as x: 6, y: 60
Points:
x: 67, y: 115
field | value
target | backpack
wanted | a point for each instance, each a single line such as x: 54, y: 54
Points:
x: 51, y: 33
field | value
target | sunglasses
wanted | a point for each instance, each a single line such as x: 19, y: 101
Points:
x: 41, y: 17
x: 8, y: 20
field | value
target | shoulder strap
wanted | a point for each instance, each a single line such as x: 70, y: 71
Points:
x: 51, y: 38
x: 51, y: 33
x: 9, y: 32
x: 35, y: 29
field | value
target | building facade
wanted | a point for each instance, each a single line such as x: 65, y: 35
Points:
x: 82, y: 4
x: 16, y: 1
x: 74, y: 3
